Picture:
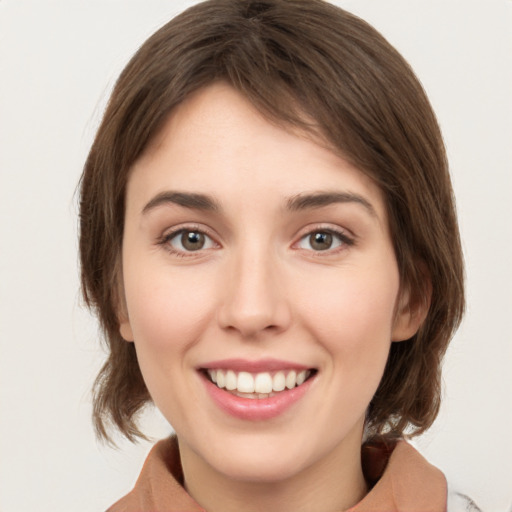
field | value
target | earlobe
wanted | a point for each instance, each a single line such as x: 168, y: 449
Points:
x: 407, y: 325
x: 125, y: 329
x: 411, y: 314
x: 119, y: 300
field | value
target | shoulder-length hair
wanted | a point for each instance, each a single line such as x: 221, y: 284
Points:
x: 306, y: 64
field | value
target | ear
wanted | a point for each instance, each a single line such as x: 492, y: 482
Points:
x: 411, y: 312
x: 125, y: 328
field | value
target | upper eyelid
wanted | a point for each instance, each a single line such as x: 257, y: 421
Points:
x: 165, y: 241
x: 342, y: 232
x: 173, y: 231
x: 324, y: 226
x: 346, y: 237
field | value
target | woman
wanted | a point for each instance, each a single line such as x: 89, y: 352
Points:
x: 269, y: 238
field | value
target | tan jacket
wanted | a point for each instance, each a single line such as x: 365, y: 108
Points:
x: 401, y: 480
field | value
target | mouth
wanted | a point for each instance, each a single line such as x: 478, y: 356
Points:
x: 258, y: 385
x: 257, y: 390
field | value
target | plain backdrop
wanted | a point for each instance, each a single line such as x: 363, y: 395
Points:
x: 58, y: 62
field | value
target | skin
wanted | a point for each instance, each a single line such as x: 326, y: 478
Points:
x: 257, y: 289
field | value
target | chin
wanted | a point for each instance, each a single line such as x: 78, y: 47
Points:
x: 261, y: 470
x: 262, y: 459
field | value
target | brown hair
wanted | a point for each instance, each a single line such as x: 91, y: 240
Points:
x: 294, y: 60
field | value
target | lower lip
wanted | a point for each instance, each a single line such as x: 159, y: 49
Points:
x: 256, y: 409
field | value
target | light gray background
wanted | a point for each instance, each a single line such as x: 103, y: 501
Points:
x: 58, y: 61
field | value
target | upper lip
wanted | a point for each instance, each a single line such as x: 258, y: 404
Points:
x: 256, y: 366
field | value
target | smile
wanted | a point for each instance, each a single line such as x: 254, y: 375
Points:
x: 257, y: 385
x: 256, y: 391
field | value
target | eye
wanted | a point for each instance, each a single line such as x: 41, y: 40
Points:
x: 323, y: 240
x: 189, y: 240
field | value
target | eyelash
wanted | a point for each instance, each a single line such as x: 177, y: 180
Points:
x: 344, y: 239
x: 167, y: 237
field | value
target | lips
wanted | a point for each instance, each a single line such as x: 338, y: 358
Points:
x: 256, y: 390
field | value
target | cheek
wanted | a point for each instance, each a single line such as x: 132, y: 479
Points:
x: 353, y: 316
x: 167, y: 311
x: 353, y: 324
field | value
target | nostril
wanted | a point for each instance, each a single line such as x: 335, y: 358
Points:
x: 253, y: 305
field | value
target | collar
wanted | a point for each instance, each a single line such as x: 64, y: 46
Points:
x: 401, y: 480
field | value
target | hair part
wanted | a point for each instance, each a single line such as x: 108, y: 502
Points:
x: 305, y: 64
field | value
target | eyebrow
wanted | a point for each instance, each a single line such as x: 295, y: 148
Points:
x: 321, y: 199
x: 186, y: 199
x: 298, y: 202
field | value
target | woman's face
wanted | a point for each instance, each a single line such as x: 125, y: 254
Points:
x: 254, y: 257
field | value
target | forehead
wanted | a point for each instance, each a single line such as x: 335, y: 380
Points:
x: 217, y: 142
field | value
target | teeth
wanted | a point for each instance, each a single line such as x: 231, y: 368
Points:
x: 259, y: 385
x: 231, y: 381
x: 301, y: 377
x: 263, y: 383
x: 291, y: 379
x: 221, y: 378
x: 254, y: 395
x: 279, y: 381
x: 245, y: 382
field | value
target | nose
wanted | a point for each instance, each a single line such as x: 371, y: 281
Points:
x: 254, y: 299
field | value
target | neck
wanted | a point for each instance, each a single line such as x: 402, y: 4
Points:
x: 334, y: 483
